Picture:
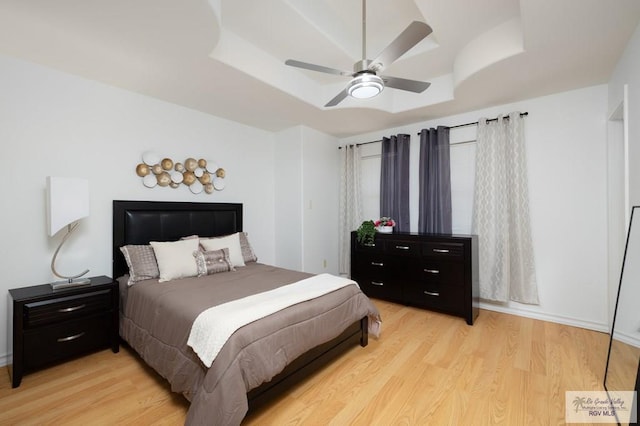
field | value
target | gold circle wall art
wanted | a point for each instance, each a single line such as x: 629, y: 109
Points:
x: 199, y: 175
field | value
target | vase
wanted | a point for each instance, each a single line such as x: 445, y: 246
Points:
x: 385, y: 229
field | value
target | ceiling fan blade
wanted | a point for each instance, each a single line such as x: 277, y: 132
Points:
x: 314, y: 67
x: 339, y: 98
x: 405, y: 84
x: 412, y: 35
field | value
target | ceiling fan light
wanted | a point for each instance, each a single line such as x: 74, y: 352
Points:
x: 365, y: 86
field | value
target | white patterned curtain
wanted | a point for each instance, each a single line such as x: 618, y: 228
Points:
x: 501, y: 212
x: 350, y: 202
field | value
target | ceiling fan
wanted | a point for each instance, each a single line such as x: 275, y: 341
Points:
x: 365, y: 82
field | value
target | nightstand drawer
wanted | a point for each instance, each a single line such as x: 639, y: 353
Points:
x: 64, y: 308
x: 57, y: 342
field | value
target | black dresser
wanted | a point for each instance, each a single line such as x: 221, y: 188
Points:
x: 437, y: 272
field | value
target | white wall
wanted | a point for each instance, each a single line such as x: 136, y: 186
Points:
x: 306, y: 173
x: 320, y: 202
x: 289, y: 249
x: 52, y: 123
x: 566, y: 149
x: 627, y: 73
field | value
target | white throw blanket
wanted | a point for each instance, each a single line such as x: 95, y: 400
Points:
x: 213, y: 327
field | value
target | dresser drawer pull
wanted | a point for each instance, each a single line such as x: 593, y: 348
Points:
x: 70, y: 338
x: 377, y: 283
x: 369, y: 244
x: 441, y: 250
x: 431, y: 293
x: 377, y: 263
x: 402, y: 247
x: 71, y: 309
x: 432, y: 271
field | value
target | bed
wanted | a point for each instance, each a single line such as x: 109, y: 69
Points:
x: 260, y: 359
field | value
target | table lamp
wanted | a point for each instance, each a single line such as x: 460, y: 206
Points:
x: 67, y: 203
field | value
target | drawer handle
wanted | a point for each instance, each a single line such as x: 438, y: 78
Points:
x: 441, y: 250
x: 377, y: 263
x: 431, y: 293
x: 432, y: 271
x: 370, y: 244
x: 71, y: 309
x: 70, y: 338
x: 377, y: 283
x: 402, y: 247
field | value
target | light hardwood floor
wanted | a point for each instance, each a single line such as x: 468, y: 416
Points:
x: 427, y: 368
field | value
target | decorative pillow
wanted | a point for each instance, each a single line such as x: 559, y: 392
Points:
x: 232, y: 242
x: 141, y: 261
x: 212, y: 262
x: 175, y: 259
x: 247, y: 252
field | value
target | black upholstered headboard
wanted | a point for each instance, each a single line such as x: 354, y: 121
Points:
x: 139, y: 222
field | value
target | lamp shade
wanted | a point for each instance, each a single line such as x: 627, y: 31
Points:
x: 67, y: 201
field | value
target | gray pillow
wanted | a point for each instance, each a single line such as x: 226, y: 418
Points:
x: 141, y: 261
x: 213, y: 261
x: 245, y: 247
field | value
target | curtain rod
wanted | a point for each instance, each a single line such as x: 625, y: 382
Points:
x: 361, y: 143
x: 522, y: 114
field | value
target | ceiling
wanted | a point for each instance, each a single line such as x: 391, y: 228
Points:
x: 226, y: 57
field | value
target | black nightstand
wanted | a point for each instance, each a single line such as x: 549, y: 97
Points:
x: 53, y: 325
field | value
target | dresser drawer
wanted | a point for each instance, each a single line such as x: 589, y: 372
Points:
x: 56, y: 342
x: 437, y: 271
x: 403, y: 248
x: 376, y: 246
x: 380, y: 288
x: 64, y: 308
x: 371, y: 265
x: 436, y: 296
x: 443, y: 250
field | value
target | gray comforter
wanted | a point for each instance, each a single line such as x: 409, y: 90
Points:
x: 156, y: 320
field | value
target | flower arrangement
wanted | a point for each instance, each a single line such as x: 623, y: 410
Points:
x: 384, y: 221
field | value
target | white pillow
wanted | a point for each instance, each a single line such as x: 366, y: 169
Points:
x: 175, y: 259
x: 232, y: 242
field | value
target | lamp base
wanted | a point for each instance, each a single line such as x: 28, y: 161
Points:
x: 59, y: 285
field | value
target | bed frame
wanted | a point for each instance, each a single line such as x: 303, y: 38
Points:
x: 139, y: 222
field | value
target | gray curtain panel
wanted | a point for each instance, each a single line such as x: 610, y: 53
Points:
x: 394, y: 181
x: 434, y: 211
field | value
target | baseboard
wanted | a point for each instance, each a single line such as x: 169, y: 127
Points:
x: 575, y: 322
x: 627, y: 338
x: 4, y: 360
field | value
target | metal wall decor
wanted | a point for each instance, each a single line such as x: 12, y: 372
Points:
x: 199, y: 175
